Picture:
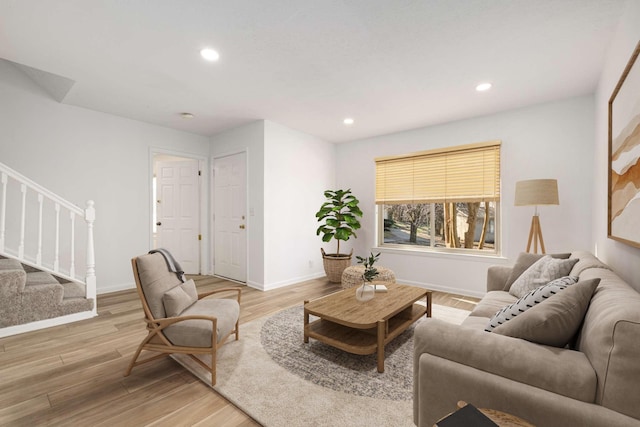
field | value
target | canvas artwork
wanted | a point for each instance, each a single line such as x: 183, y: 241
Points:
x: 624, y: 155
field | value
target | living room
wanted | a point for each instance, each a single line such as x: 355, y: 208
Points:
x: 85, y: 154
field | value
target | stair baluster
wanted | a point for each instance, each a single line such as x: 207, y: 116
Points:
x: 18, y: 212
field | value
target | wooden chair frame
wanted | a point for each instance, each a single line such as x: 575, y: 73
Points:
x: 155, y: 329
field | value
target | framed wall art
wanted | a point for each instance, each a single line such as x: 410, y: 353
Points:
x: 624, y: 155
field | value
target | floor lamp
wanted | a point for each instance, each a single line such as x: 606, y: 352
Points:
x: 536, y: 192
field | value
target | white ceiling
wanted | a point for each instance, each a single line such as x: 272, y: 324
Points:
x: 308, y: 64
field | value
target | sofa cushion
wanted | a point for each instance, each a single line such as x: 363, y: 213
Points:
x: 554, y: 321
x: 524, y: 261
x: 587, y: 261
x: 176, y: 300
x: 491, y: 303
x: 542, y: 271
x: 529, y: 300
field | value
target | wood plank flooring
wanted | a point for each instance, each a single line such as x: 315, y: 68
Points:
x: 72, y: 374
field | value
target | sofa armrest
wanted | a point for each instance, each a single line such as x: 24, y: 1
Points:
x: 558, y: 370
x: 497, y: 276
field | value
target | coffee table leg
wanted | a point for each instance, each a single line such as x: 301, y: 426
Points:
x: 429, y: 303
x: 381, y: 334
x: 306, y: 322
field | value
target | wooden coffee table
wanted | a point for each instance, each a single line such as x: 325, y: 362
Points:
x: 365, y: 327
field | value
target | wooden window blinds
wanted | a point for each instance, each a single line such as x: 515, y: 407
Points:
x: 469, y: 173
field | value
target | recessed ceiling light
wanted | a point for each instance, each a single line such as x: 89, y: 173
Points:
x: 187, y: 115
x: 209, y: 54
x: 482, y: 87
x: 348, y: 121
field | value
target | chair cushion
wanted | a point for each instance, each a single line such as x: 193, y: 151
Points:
x: 197, y: 333
x: 155, y: 279
x: 176, y: 300
x: 556, y: 320
x: 541, y: 272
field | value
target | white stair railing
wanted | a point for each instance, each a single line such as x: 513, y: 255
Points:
x: 27, y: 233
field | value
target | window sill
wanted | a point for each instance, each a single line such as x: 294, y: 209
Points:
x: 445, y: 254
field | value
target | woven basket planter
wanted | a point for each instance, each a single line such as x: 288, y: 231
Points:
x: 352, y: 276
x: 334, y: 265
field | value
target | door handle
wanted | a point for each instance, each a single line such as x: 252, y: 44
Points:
x: 158, y: 223
x: 242, y: 226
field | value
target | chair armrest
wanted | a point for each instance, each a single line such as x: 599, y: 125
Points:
x: 217, y: 291
x: 558, y: 370
x: 168, y: 321
x: 497, y: 276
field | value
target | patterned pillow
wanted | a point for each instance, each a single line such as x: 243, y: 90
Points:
x: 523, y: 262
x: 529, y: 300
x: 542, y: 271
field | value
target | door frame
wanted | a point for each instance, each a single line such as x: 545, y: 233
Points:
x: 246, y: 214
x: 203, y: 166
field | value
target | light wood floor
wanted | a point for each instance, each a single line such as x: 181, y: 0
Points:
x: 72, y: 375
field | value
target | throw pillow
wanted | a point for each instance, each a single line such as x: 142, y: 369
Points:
x: 556, y: 320
x: 190, y: 288
x: 529, y: 300
x: 177, y: 299
x: 542, y: 271
x: 524, y: 261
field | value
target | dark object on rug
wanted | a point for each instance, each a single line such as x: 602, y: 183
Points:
x: 467, y: 416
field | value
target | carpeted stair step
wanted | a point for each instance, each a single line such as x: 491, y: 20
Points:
x: 75, y: 305
x: 28, y: 294
x: 10, y: 264
x: 40, y: 278
x: 42, y: 300
x: 74, y: 290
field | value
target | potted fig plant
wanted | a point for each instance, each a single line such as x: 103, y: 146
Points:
x: 339, y: 216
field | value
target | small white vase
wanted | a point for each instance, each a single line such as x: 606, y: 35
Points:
x: 365, y: 292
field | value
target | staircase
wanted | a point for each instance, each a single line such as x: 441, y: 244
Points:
x: 41, y: 245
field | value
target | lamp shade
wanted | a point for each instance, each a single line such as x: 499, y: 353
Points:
x: 537, y: 192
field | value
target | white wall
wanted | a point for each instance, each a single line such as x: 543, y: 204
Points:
x: 298, y: 169
x: 82, y: 154
x: 553, y: 140
x: 249, y: 138
x: 624, y: 259
x: 288, y: 172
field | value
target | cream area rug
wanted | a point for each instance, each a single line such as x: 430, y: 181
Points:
x: 277, y: 379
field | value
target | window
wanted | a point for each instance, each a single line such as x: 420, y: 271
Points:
x: 444, y: 199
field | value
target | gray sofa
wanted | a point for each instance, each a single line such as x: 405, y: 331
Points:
x: 596, y: 382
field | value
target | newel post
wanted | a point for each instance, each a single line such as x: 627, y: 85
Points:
x: 90, y: 278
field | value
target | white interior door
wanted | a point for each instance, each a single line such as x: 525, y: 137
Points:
x: 178, y: 211
x: 230, y: 200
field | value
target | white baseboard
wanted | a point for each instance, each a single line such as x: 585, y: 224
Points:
x: 450, y: 290
x: 116, y: 288
x: 47, y: 323
x: 294, y: 281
